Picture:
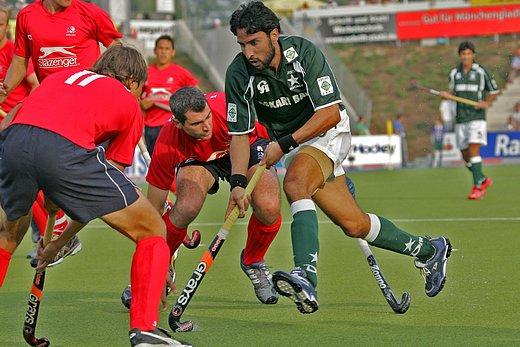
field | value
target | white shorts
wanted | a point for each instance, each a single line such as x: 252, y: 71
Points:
x: 471, y: 132
x: 335, y: 144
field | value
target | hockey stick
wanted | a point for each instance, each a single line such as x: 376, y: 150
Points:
x: 205, y: 263
x: 35, y: 297
x: 397, y: 307
x: 436, y: 92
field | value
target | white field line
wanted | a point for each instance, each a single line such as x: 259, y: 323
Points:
x: 397, y: 220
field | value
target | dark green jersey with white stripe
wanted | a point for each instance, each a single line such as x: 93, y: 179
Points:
x: 475, y: 85
x: 281, y: 101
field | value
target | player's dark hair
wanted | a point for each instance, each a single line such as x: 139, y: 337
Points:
x: 254, y: 16
x: 123, y: 63
x: 185, y: 100
x: 467, y: 45
x: 165, y: 37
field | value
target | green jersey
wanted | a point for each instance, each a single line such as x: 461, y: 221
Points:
x: 475, y: 85
x: 282, y: 101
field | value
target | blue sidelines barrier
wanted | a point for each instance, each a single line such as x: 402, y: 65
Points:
x: 502, y: 145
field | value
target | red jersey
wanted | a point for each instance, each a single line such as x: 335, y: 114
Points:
x: 24, y: 88
x: 174, y: 146
x: 87, y: 109
x: 161, y: 84
x: 64, y: 39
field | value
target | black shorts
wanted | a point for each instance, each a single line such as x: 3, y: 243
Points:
x: 80, y: 181
x: 221, y: 168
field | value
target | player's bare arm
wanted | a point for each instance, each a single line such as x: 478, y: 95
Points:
x: 322, y: 120
x: 239, y: 154
x: 15, y: 74
x: 33, y: 81
x: 486, y: 103
x: 46, y: 255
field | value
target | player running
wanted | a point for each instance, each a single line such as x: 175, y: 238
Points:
x: 194, y: 146
x: 286, y: 83
x: 86, y: 180
x: 472, y: 81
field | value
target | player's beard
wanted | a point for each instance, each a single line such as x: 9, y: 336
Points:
x: 269, y: 59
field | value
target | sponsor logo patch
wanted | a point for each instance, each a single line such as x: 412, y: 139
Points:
x: 71, y: 31
x: 325, y: 85
x: 290, y: 54
x: 263, y: 87
x: 232, y: 113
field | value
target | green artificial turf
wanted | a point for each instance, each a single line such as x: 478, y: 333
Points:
x: 478, y: 306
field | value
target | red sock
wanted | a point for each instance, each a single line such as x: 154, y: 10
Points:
x: 40, y: 217
x: 174, y: 235
x: 259, y: 238
x: 60, y: 224
x: 5, y: 258
x: 42, y: 222
x: 149, y: 267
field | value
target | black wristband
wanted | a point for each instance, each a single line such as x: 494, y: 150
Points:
x: 237, y: 180
x: 287, y: 143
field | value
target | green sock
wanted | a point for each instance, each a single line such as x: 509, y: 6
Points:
x: 478, y: 176
x: 394, y: 239
x: 468, y: 166
x: 305, y: 243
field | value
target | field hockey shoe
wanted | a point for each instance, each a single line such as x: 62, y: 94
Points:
x: 476, y: 194
x: 485, y: 185
x: 434, y: 269
x: 261, y: 279
x: 72, y: 247
x: 153, y: 338
x: 297, y: 287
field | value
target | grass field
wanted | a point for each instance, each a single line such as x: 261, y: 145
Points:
x: 478, y: 307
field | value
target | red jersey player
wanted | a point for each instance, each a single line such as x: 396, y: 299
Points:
x: 6, y: 56
x: 194, y: 146
x: 86, y: 180
x: 57, y: 35
x: 164, y: 78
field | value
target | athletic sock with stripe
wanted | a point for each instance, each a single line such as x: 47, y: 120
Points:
x: 476, y: 170
x: 385, y: 234
x: 304, y: 235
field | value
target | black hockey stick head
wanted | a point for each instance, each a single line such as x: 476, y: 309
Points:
x: 37, y: 342
x: 397, y: 307
x: 174, y: 321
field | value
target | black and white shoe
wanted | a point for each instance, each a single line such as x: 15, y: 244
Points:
x: 153, y: 338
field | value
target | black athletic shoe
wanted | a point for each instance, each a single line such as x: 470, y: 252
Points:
x: 153, y: 338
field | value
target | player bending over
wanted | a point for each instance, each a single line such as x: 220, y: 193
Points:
x: 194, y: 146
x: 85, y: 180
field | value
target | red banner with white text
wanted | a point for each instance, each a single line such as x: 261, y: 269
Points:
x: 471, y: 21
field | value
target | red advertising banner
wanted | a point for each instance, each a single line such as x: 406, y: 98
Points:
x: 471, y: 21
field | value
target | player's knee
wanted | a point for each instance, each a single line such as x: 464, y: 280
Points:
x: 268, y: 215
x: 357, y: 228
x: 184, y: 214
x: 295, y: 190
